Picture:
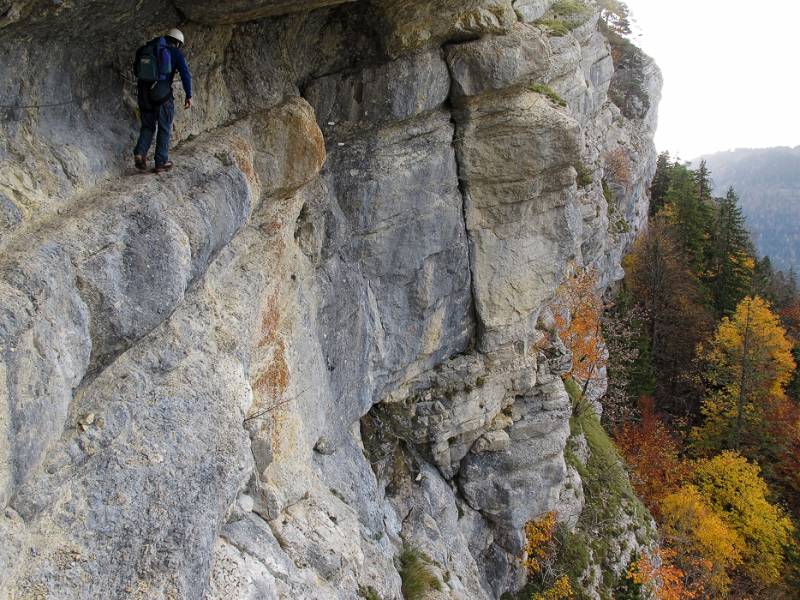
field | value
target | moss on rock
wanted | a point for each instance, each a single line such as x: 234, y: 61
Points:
x: 612, y: 512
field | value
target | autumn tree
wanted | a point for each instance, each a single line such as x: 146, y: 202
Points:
x: 783, y: 465
x: 662, y: 580
x: 652, y: 455
x: 782, y: 460
x: 577, y: 308
x: 790, y: 318
x: 709, y: 548
x: 723, y: 533
x: 749, y: 365
x: 734, y: 489
x: 630, y: 367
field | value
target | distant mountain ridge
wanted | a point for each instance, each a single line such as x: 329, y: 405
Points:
x: 767, y: 181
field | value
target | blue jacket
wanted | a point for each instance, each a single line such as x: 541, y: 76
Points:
x: 179, y: 65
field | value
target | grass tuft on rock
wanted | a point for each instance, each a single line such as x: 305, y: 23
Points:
x: 564, y: 16
x: 548, y: 92
x: 368, y: 593
x: 416, y: 575
x: 609, y: 195
x: 555, y: 27
x: 571, y: 9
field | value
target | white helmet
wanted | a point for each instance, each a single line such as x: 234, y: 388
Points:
x: 176, y: 34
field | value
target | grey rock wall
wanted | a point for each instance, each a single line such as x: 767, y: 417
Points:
x: 313, y: 342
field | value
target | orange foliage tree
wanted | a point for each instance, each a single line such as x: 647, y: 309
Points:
x: 784, y: 422
x: 652, y: 455
x: 790, y: 316
x: 577, y: 309
x: 784, y: 468
x: 661, y: 578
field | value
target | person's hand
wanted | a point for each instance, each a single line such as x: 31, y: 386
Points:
x: 188, y: 103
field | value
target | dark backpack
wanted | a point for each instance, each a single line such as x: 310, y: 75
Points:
x: 153, y: 61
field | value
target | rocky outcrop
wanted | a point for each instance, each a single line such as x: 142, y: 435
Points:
x: 315, y: 341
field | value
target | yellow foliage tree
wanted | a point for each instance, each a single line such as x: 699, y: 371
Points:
x: 750, y: 363
x: 736, y: 492
x: 710, y: 549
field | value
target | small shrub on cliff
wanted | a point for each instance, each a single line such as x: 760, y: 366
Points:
x: 618, y: 166
x: 368, y: 593
x: 561, y: 590
x: 574, y: 12
x: 620, y: 226
x: 573, y: 558
x: 539, y: 542
x: 615, y: 17
x: 561, y: 577
x: 417, y: 577
x: 585, y: 178
x: 550, y: 93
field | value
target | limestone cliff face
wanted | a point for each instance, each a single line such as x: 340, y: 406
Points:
x: 315, y: 340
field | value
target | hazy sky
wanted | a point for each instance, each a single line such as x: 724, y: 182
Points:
x: 731, y: 72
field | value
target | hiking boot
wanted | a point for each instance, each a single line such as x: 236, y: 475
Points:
x: 140, y: 162
x: 165, y: 167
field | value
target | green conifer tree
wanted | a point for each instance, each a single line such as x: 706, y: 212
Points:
x: 731, y: 263
x: 616, y: 16
x: 689, y: 218
x: 763, y: 275
x: 660, y: 185
x: 703, y: 178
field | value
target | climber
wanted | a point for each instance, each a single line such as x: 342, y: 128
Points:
x: 154, y: 67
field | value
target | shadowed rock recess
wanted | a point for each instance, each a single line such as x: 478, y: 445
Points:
x: 315, y: 340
